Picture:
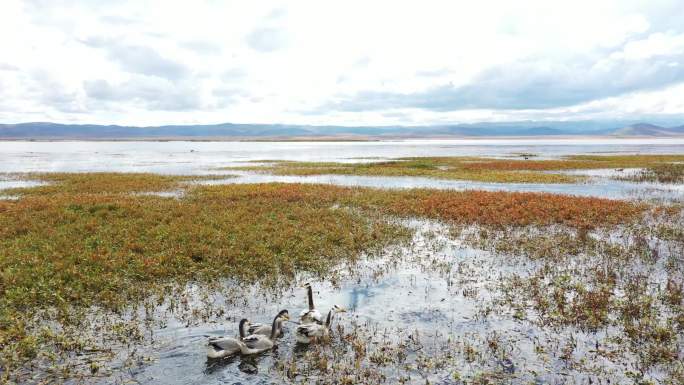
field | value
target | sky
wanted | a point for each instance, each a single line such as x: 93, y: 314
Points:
x: 340, y: 62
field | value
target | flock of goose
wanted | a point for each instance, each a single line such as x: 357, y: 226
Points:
x: 256, y: 338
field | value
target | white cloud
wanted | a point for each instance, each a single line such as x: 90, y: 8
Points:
x: 151, y: 62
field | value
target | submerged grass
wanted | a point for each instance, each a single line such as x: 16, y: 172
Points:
x: 470, y: 168
x: 661, y: 173
x: 88, y: 240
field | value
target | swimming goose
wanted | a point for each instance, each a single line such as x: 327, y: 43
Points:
x: 257, y: 343
x: 308, y: 332
x: 225, y: 346
x: 312, y: 315
x: 265, y: 329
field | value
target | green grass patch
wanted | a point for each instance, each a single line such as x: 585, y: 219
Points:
x: 470, y: 168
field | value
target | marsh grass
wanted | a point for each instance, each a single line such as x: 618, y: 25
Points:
x: 470, y: 168
x: 661, y: 173
x: 625, y: 282
x: 441, y: 168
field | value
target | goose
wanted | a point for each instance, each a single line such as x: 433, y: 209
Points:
x: 311, y: 315
x: 257, y: 343
x: 309, y: 332
x: 224, y: 346
x: 265, y: 329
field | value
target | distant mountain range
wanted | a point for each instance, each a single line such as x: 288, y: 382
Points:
x: 645, y: 129
x: 47, y: 131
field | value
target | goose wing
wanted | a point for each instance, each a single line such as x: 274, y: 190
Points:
x: 258, y: 328
x: 224, y: 343
x: 258, y: 342
x: 311, y: 330
x: 311, y: 316
x: 223, y: 346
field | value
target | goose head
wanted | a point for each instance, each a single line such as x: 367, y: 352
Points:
x: 334, y: 310
x: 242, y: 328
x: 338, y: 309
x: 283, y: 315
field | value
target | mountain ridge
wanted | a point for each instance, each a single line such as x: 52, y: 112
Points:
x: 49, y: 130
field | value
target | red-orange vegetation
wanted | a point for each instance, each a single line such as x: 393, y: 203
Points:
x: 512, y: 208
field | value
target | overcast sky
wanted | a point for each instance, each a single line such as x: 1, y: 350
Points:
x: 342, y: 62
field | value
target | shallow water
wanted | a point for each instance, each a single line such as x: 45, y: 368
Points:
x: 201, y: 157
x: 595, y: 187
x: 10, y: 182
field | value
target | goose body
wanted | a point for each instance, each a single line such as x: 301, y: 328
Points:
x: 265, y: 330
x: 220, y: 347
x: 225, y: 346
x: 257, y: 343
x: 310, y: 315
x: 310, y: 332
x: 306, y: 333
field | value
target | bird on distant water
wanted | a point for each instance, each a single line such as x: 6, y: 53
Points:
x: 306, y: 333
x: 310, y: 315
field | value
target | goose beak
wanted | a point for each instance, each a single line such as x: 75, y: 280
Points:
x: 340, y: 309
x: 286, y: 317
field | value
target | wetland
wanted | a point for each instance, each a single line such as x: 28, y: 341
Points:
x: 457, y: 263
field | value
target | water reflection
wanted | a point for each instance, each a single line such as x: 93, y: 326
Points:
x: 360, y: 295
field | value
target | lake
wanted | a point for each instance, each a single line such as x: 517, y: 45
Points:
x: 201, y: 158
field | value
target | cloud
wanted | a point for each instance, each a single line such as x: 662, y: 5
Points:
x: 139, y: 59
x: 145, y: 92
x: 225, y: 96
x: 202, y: 47
x: 8, y: 67
x: 312, y: 63
x: 49, y: 91
x: 537, y: 84
x: 233, y: 74
x: 440, y: 72
x: 266, y: 39
x: 118, y: 20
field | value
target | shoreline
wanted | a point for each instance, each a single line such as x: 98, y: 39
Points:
x: 337, y: 139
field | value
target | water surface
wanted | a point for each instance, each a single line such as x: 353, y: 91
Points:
x: 202, y: 158
x: 184, y: 157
